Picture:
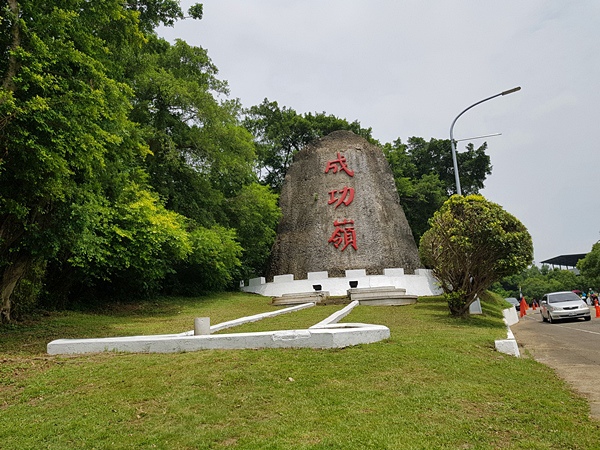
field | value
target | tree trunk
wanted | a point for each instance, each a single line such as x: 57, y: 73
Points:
x: 11, y: 276
x: 461, y: 311
x: 461, y: 308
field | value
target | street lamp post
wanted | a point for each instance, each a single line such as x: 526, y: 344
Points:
x: 457, y: 178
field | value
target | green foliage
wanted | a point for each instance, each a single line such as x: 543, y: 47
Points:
x: 424, y: 176
x: 134, y: 245
x: 202, y: 159
x: 97, y: 116
x: 214, y: 258
x: 155, y: 12
x: 63, y: 121
x: 590, y: 266
x: 200, y: 155
x: 471, y: 244
x: 279, y: 133
x: 254, y: 214
x: 196, y: 11
x: 534, y: 282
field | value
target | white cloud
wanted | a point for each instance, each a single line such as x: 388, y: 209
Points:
x: 408, y: 68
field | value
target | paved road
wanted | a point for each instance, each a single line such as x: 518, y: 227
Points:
x: 572, y: 348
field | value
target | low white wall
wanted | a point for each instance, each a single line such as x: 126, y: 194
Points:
x: 422, y: 283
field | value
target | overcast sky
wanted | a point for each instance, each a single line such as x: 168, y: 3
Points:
x: 408, y: 68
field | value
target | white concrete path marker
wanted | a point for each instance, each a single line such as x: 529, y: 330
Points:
x: 326, y: 334
x: 253, y: 318
x: 509, y: 345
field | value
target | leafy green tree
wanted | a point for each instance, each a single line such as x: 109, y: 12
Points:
x: 61, y: 115
x: 534, y: 282
x: 254, y: 214
x: 200, y: 155
x: 511, y: 285
x: 435, y: 157
x: 133, y: 244
x: 202, y: 159
x: 85, y: 135
x: 471, y: 244
x: 424, y: 176
x: 279, y: 133
x: 210, y: 266
x: 589, y: 266
x: 421, y: 194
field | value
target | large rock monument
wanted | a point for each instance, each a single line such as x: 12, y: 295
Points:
x: 341, y: 211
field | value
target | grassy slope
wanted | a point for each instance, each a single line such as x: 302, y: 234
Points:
x: 437, y: 383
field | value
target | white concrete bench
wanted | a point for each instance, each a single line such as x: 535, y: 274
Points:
x: 381, y: 296
x: 300, y: 298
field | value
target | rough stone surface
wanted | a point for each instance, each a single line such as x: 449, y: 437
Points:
x: 383, y: 237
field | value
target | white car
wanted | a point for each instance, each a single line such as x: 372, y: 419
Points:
x: 563, y: 305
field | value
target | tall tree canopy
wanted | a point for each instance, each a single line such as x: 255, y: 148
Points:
x: 202, y: 159
x: 424, y: 176
x: 63, y: 123
x: 121, y: 158
x: 534, y: 282
x: 281, y: 132
x: 590, y: 266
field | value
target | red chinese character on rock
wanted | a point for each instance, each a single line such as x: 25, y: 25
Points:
x: 343, y: 234
x: 338, y: 164
x: 346, y: 196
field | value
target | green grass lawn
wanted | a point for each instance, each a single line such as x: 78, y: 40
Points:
x: 437, y: 383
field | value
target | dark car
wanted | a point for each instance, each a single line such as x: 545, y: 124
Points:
x: 513, y: 301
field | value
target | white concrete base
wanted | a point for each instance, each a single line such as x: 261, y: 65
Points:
x: 508, y: 345
x: 331, y: 336
x: 326, y: 334
x: 421, y: 283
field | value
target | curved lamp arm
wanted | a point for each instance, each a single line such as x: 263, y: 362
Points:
x: 454, y: 162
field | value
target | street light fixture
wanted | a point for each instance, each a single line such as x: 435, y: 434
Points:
x: 478, y: 137
x: 510, y: 91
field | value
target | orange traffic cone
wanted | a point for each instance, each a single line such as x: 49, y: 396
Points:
x: 522, y: 307
x: 597, y: 310
x: 533, y: 306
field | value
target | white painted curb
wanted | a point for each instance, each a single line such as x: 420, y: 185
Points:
x: 509, y: 345
x: 254, y: 318
x: 336, y: 316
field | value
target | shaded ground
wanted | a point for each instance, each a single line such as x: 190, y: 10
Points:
x: 571, y: 348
